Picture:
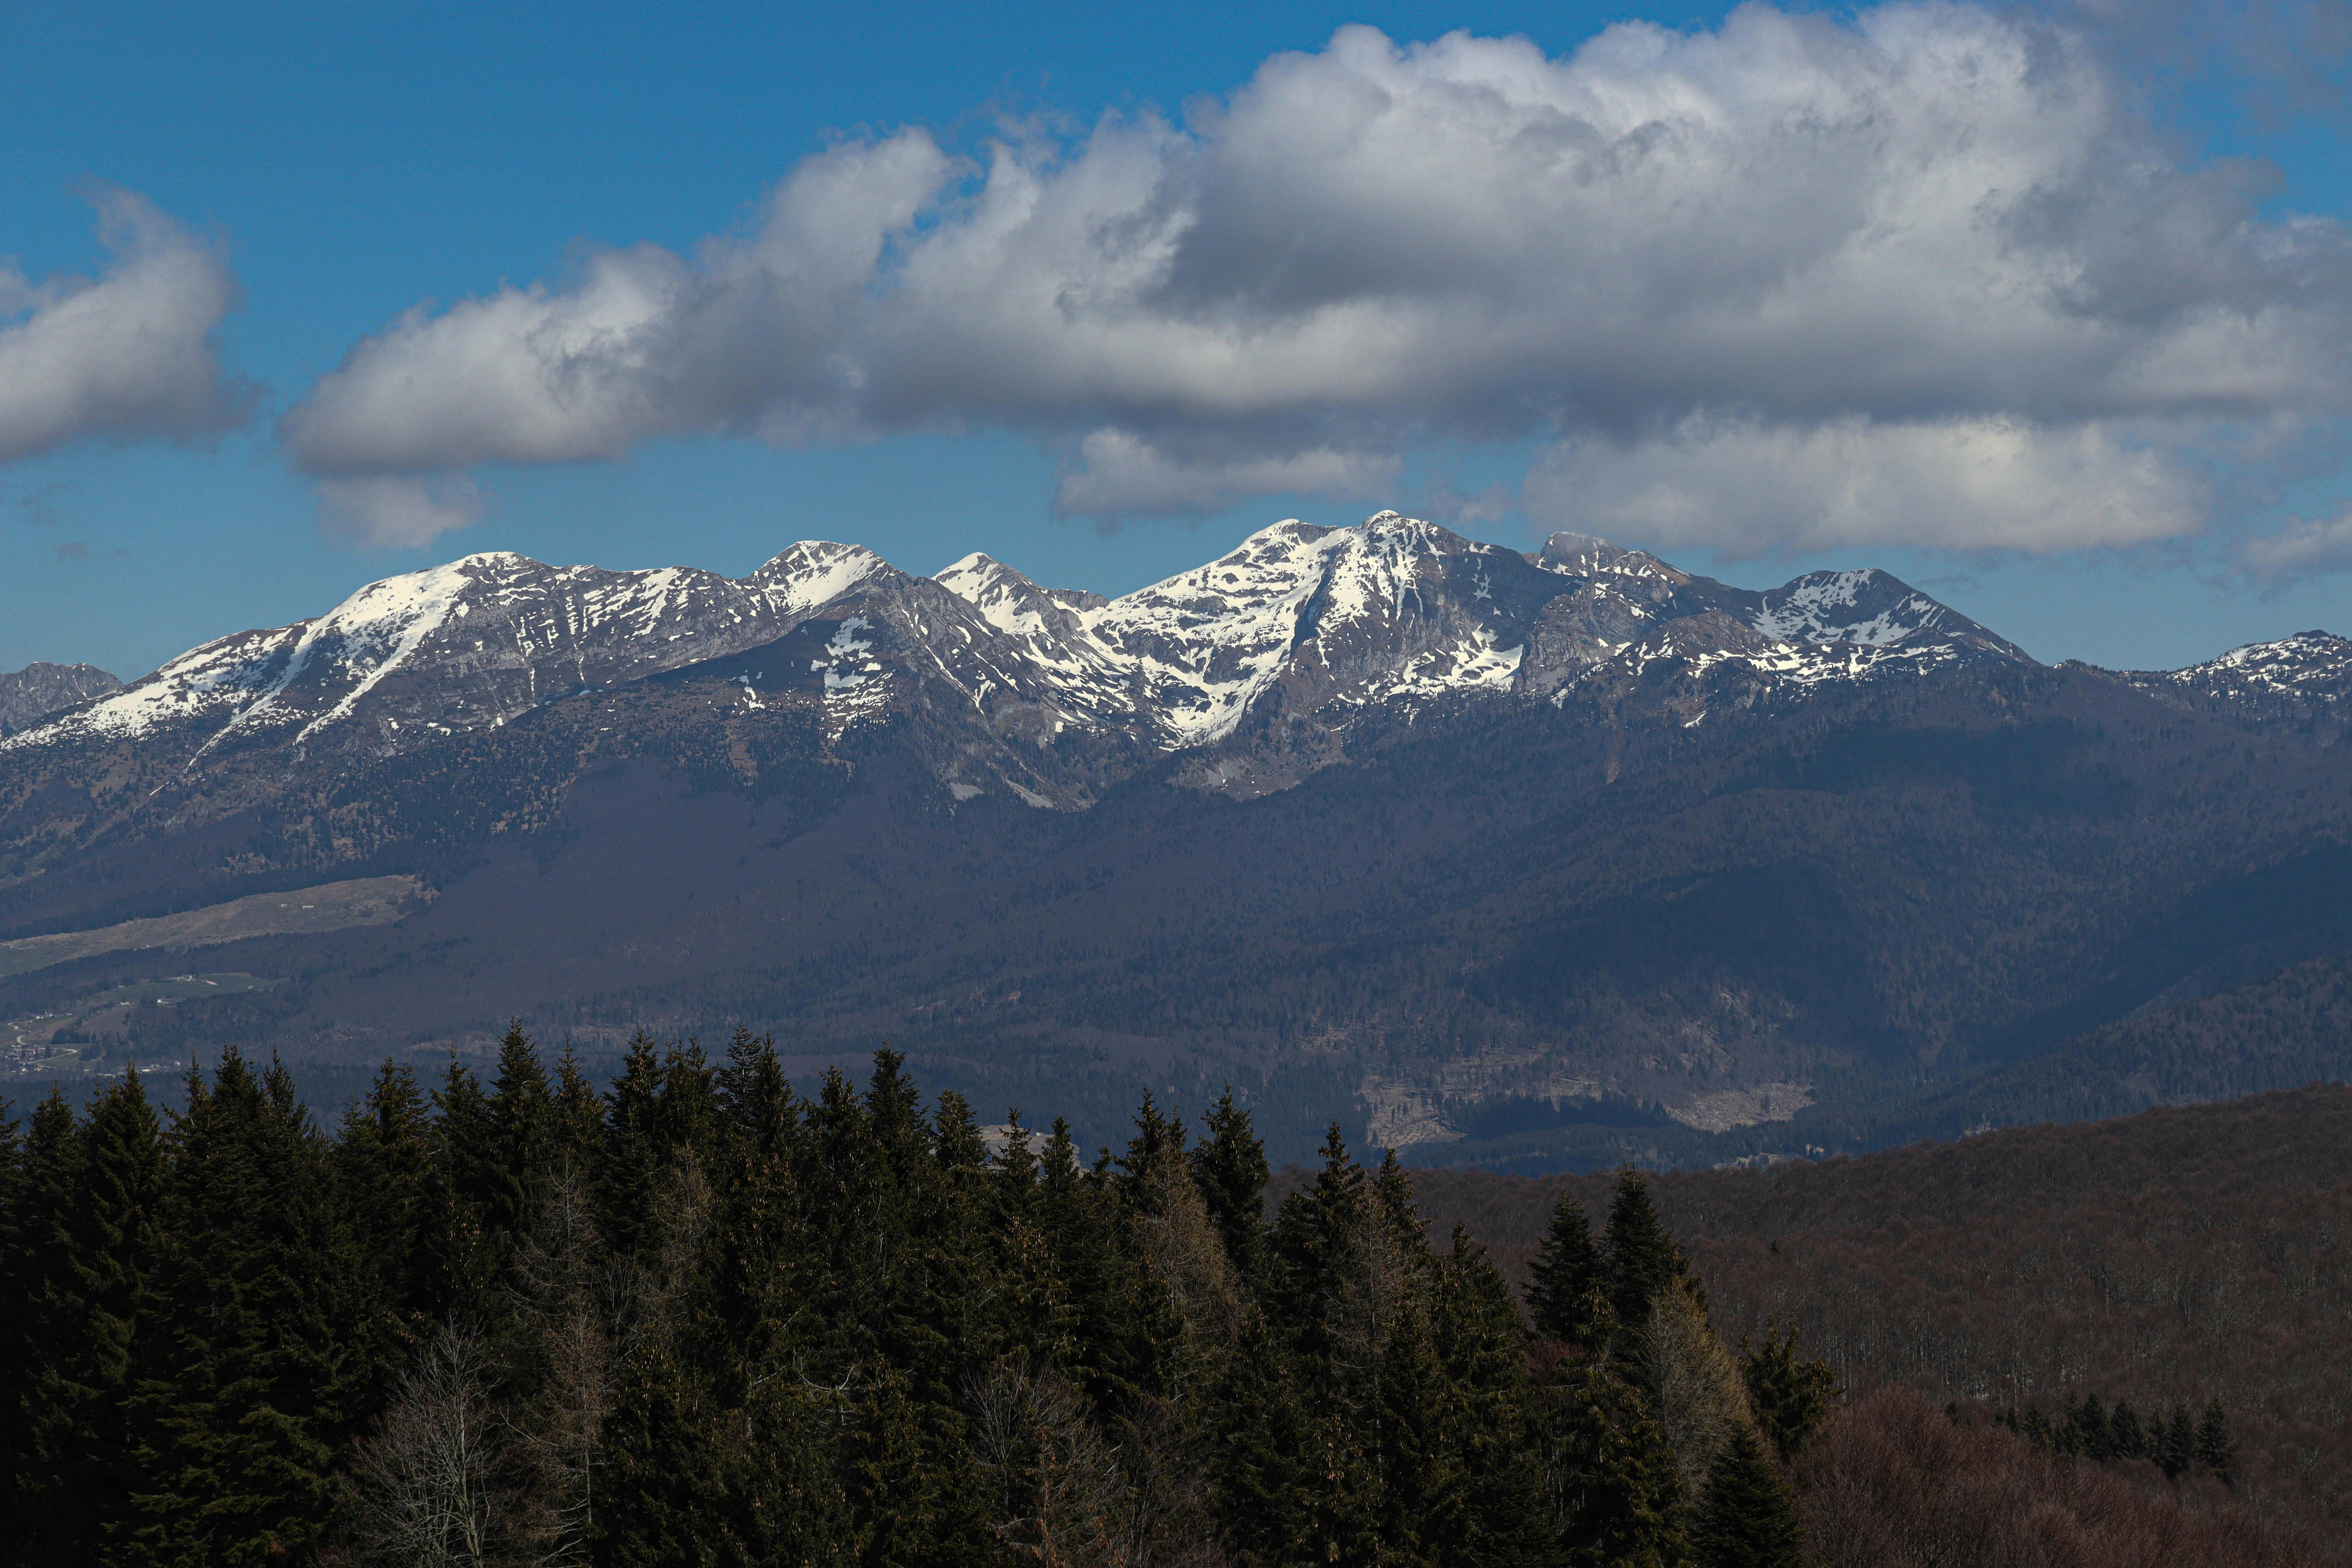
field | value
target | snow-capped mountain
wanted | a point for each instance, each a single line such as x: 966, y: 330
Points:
x: 1298, y: 622
x: 460, y: 646
x: 2311, y: 670
x: 1581, y: 822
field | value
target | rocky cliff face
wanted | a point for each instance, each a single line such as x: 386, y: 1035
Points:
x: 32, y: 693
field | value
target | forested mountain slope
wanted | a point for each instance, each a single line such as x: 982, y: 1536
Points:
x: 2162, y: 1259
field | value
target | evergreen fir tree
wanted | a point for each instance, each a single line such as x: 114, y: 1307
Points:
x: 1081, y: 1235
x: 629, y: 1156
x: 116, y: 1250
x: 384, y: 1164
x: 2176, y: 1445
x: 666, y: 1439
x: 51, y: 1356
x: 1316, y: 1237
x: 1568, y: 1271
x: 1329, y: 1297
x: 1791, y: 1397
x: 2123, y: 1432
x: 522, y: 1137
x: 1746, y: 1517
x: 2091, y: 1437
x: 1400, y: 1214
x: 462, y: 1256
x: 576, y: 1121
x: 1502, y: 1518
x: 2215, y: 1449
x: 2036, y: 1429
x: 1262, y: 1451
x: 1230, y: 1167
x: 1417, y: 1459
x: 1618, y: 1487
x: 689, y: 1115
x: 1643, y: 1256
x: 239, y: 1433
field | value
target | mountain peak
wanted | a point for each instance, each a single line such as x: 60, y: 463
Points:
x: 2315, y: 666
x: 1581, y: 555
x: 1011, y: 602
x: 803, y: 576
x: 40, y: 690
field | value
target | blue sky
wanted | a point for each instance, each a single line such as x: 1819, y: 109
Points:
x: 2147, y: 470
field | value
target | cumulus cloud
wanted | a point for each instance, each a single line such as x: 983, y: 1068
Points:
x: 1936, y: 240
x: 1957, y: 484
x: 129, y: 356
x: 390, y: 510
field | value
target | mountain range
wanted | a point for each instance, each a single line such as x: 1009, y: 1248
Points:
x: 1524, y: 857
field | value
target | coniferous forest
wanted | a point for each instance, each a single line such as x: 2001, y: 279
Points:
x: 700, y: 1319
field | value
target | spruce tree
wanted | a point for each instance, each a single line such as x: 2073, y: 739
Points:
x: 628, y: 1160
x: 1746, y: 1517
x: 2123, y: 1432
x: 1567, y: 1272
x: 1492, y: 1432
x: 1328, y: 1297
x: 1791, y: 1397
x: 667, y: 1437
x: 1618, y: 1488
x: 51, y: 1352
x: 2176, y: 1445
x: 462, y: 1256
x: 1229, y: 1164
x: 2092, y: 1437
x: 1262, y: 1451
x: 688, y: 1116
x: 116, y: 1250
x: 17, y: 1477
x: 1417, y: 1458
x: 239, y: 1433
x: 383, y: 1163
x: 1080, y: 1231
x: 2215, y: 1449
x: 576, y: 1120
x: 522, y: 1136
x: 1643, y: 1256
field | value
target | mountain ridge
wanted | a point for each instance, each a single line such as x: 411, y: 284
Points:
x: 1391, y: 609
x: 1531, y: 853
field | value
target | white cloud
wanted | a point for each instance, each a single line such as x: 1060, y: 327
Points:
x: 1955, y: 484
x: 128, y: 355
x: 391, y: 510
x: 2305, y: 547
x: 1940, y: 225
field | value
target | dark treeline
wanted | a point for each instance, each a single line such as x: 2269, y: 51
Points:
x: 698, y: 1319
x: 2160, y: 1263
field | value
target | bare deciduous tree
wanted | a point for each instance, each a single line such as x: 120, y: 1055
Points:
x: 430, y: 1487
x: 1063, y: 1498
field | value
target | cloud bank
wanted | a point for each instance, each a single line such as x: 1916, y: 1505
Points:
x: 1922, y: 277
x: 127, y: 356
